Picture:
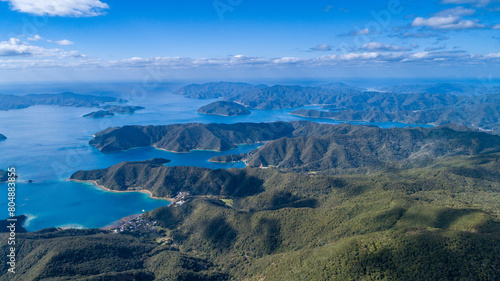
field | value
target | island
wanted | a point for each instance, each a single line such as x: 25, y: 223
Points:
x: 4, y: 176
x: 224, y: 108
x: 164, y: 181
x: 2, y: 137
x: 99, y: 114
x: 110, y: 110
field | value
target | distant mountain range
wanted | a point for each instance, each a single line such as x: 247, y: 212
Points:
x: 8, y: 102
x: 473, y: 106
x: 443, y: 88
x: 472, y: 113
x: 224, y: 108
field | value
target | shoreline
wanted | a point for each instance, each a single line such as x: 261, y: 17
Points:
x: 119, y: 223
x: 122, y: 191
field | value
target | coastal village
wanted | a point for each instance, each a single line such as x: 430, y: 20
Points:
x: 138, y: 223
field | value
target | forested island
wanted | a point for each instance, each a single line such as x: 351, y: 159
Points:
x: 223, y: 108
x: 110, y: 110
x: 99, y: 114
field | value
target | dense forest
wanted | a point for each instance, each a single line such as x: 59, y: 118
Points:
x: 438, y: 222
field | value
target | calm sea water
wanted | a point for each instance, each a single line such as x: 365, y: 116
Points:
x: 47, y: 144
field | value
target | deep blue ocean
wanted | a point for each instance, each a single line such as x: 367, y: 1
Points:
x: 47, y: 144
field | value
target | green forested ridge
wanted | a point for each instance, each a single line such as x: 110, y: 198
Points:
x: 439, y: 222
x: 164, y: 181
x: 346, y: 148
x: 189, y: 136
x: 319, y: 141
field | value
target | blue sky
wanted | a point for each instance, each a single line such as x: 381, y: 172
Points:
x: 70, y: 40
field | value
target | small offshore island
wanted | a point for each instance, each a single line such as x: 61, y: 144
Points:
x: 224, y: 108
x: 4, y: 176
x: 99, y: 114
x: 2, y: 137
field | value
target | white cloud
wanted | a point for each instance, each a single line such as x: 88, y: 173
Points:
x: 493, y: 56
x: 35, y: 38
x: 73, y: 60
x: 16, y: 47
x: 448, y: 22
x: 64, y: 42
x: 496, y: 26
x: 64, y: 8
x: 449, y: 19
x: 322, y: 47
x: 376, y: 46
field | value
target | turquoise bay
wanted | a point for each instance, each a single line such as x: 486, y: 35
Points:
x: 47, y: 144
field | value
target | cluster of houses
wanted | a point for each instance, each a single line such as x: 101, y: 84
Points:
x: 137, y: 224
x: 180, y: 198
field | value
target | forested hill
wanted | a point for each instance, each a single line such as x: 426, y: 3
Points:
x: 8, y: 102
x: 224, y: 108
x: 350, y: 148
x: 165, y: 181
